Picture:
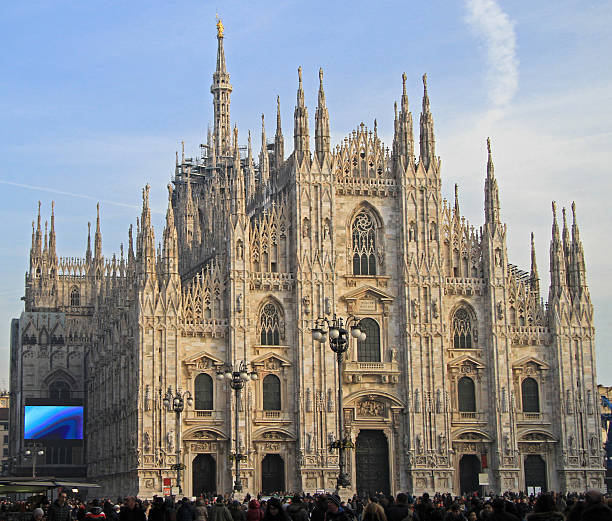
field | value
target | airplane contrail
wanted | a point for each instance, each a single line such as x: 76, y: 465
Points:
x: 71, y: 194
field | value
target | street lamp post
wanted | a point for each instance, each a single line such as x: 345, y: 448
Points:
x: 34, y: 450
x: 177, y: 403
x: 338, y: 341
x: 237, y: 377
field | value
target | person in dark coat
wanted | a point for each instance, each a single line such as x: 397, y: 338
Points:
x: 425, y: 508
x: 297, y: 510
x: 185, y: 512
x: 60, y: 509
x: 157, y: 510
x: 275, y: 511
x: 399, y: 510
x: 499, y: 511
x: 319, y: 510
x: 335, y: 512
x: 219, y: 511
x: 132, y: 511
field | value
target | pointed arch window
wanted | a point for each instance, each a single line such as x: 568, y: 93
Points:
x: 203, y: 392
x: 75, y: 297
x: 369, y: 349
x: 270, y: 325
x: 59, y: 390
x: 463, y: 331
x: 466, y: 394
x: 530, y: 395
x: 364, y: 245
x: 271, y: 393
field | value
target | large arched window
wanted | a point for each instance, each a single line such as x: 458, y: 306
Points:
x: 364, y: 245
x: 271, y: 393
x: 463, y: 332
x: 369, y: 349
x: 75, y: 297
x: 269, y: 324
x: 466, y: 394
x: 59, y: 390
x: 530, y: 395
x: 203, y: 392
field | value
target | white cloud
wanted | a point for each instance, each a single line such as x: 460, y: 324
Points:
x: 496, y: 29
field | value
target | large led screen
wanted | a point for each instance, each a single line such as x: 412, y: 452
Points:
x: 53, y: 422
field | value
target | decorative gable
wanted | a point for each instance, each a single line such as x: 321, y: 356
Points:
x: 368, y: 299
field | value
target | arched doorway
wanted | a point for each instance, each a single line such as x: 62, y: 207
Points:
x: 372, y: 463
x: 535, y: 473
x: 204, y: 474
x: 469, y: 468
x: 272, y: 474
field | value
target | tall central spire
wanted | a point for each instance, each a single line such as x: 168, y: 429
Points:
x: 221, y: 90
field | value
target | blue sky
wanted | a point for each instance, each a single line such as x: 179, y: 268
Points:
x: 95, y: 98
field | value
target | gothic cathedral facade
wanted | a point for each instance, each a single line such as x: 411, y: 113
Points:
x: 465, y: 377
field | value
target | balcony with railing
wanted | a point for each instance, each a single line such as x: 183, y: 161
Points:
x: 272, y: 417
x: 461, y: 417
x: 387, y: 371
x: 532, y: 417
x: 193, y: 416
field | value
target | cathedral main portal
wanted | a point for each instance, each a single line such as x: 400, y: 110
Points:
x: 372, y: 463
x: 204, y: 474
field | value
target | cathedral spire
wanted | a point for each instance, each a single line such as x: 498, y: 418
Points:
x: 238, y: 179
x: 98, y: 237
x: 534, y: 277
x: 457, y: 212
x: 146, y: 239
x: 279, y: 141
x: 491, y: 191
x: 45, y: 250
x: 322, y: 139
x: 264, y: 162
x: 567, y: 245
x: 301, y: 137
x: 88, y: 251
x: 250, y: 185
x: 221, y: 90
x: 577, y: 268
x: 403, y: 138
x: 170, y: 252
x: 558, y: 280
x: 52, y: 245
x: 38, y: 233
x: 131, y: 257
x: 427, y: 139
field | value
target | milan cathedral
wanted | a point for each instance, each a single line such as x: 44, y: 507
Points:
x: 466, y: 377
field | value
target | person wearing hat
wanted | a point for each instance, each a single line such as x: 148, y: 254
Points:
x: 335, y: 512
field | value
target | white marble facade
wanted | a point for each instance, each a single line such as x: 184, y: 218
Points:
x: 464, y: 364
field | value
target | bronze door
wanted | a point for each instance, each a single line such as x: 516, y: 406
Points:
x: 272, y: 474
x: 204, y: 474
x: 372, y: 463
x: 469, y: 468
x: 535, y: 472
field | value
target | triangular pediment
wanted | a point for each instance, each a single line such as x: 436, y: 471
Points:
x: 529, y: 360
x: 203, y: 360
x: 266, y: 358
x: 465, y: 359
x: 368, y: 292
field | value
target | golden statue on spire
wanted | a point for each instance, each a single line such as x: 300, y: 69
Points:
x: 219, y: 27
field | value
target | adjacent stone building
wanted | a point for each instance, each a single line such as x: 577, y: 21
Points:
x: 464, y: 370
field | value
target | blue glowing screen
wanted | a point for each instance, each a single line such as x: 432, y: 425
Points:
x: 53, y: 422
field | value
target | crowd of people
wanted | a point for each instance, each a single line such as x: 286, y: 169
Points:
x: 592, y: 506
